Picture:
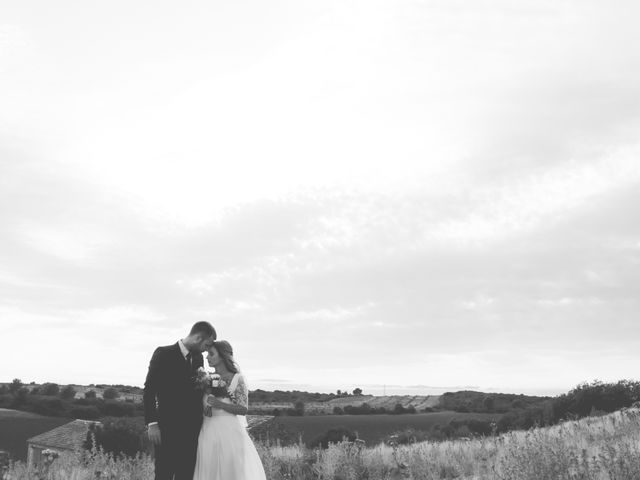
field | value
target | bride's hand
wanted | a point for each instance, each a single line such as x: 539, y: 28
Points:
x: 215, y: 402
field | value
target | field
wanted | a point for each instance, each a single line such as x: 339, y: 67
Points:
x: 371, y: 428
x: 595, y: 448
x: 419, y: 402
x: 16, y: 427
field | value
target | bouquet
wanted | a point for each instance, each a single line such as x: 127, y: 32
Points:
x: 211, y: 384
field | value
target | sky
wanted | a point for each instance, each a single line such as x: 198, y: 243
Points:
x: 406, y: 196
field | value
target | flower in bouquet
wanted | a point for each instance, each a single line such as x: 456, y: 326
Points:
x: 211, y: 383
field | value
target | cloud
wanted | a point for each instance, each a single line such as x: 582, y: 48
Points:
x: 441, y: 189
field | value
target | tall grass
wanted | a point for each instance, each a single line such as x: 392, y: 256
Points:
x: 595, y: 448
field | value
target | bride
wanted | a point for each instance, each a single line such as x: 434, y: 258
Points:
x: 225, y: 450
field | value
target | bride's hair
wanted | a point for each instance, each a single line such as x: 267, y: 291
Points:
x: 225, y: 350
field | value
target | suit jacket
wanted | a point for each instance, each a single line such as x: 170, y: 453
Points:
x: 170, y: 397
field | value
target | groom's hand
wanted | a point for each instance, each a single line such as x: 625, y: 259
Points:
x: 153, y: 431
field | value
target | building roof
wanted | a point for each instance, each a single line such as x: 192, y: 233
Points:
x: 69, y: 436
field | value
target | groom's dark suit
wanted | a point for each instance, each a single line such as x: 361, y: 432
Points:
x: 170, y: 398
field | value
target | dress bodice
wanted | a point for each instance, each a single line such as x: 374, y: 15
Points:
x: 218, y: 412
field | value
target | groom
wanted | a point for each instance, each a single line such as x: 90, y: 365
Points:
x: 172, y: 406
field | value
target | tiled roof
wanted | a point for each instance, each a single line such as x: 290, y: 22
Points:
x: 69, y: 436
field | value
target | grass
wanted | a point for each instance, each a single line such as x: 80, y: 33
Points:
x: 595, y: 448
x: 371, y: 428
x: 16, y: 427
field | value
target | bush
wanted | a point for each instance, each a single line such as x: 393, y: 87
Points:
x: 50, y: 389
x: 20, y: 397
x: 4, y: 389
x: 85, y: 413
x: 15, y: 385
x: 110, y: 394
x: 605, y: 397
x: 49, y: 406
x: 118, y: 409
x: 333, y: 435
x: 90, y: 394
x: 119, y: 436
x: 68, y: 392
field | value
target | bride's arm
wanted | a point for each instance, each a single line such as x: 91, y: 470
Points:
x: 240, y: 399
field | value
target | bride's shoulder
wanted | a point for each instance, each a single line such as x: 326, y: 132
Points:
x: 240, y: 379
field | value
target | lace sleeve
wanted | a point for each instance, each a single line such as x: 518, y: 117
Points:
x: 241, y: 393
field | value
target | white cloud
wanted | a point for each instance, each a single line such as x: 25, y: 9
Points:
x: 329, y: 184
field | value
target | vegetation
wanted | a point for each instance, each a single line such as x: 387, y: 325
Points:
x: 469, y: 401
x: 58, y: 406
x: 119, y: 437
x: 374, y: 429
x: 596, y: 448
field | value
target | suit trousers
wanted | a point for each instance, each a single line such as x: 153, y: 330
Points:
x: 175, y: 457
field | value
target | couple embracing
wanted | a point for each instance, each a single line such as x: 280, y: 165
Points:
x: 199, y: 434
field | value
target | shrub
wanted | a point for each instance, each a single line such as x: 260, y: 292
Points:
x: 50, y: 389
x: 90, y: 394
x: 110, y: 394
x: 333, y: 435
x: 20, y: 397
x: 49, y: 406
x: 118, y: 409
x: 119, y: 436
x: 15, y: 385
x: 68, y: 392
x: 85, y: 412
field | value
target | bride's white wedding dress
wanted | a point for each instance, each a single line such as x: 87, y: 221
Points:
x: 225, y: 449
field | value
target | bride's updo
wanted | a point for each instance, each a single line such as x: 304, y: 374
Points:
x: 225, y: 350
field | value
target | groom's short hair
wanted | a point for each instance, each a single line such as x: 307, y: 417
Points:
x: 203, y: 328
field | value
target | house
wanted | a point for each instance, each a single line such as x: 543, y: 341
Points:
x: 66, y: 438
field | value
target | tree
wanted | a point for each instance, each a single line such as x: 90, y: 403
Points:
x: 20, y: 396
x: 488, y: 403
x: 50, y: 389
x: 89, y: 394
x: 110, y: 394
x: 357, y: 392
x: 68, y: 392
x: 15, y: 385
x: 398, y: 409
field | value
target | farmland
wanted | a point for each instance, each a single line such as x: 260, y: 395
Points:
x: 603, y: 448
x: 16, y: 427
x: 371, y: 428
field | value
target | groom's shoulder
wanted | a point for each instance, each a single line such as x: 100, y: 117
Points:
x: 164, y: 349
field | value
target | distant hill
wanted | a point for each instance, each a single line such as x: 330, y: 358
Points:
x: 419, y: 402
